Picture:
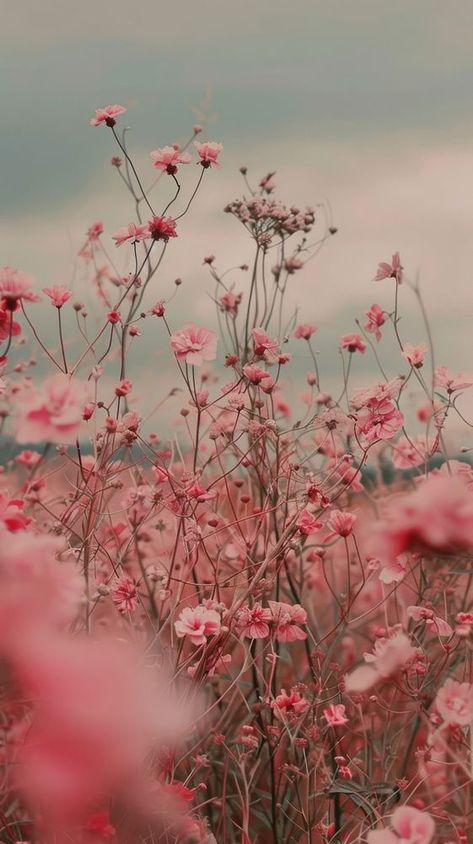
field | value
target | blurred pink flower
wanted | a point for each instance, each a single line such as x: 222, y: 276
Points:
x: 335, y: 715
x: 388, y: 657
x: 454, y: 702
x: 162, y: 228
x: 447, y: 379
x: 15, y: 286
x: 208, y: 152
x: 131, y: 232
x: 411, y: 826
x: 168, y: 158
x: 392, y: 270
x: 107, y: 115
x: 353, y: 343
x: 415, y: 354
x: 52, y: 414
x: 304, y: 331
x: 376, y: 318
x: 287, y: 617
x: 289, y: 705
x: 194, y: 345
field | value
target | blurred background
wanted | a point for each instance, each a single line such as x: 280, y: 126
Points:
x: 366, y: 104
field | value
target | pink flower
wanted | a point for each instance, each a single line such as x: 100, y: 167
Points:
x: 335, y: 715
x: 253, y: 621
x: 410, y: 825
x: 263, y: 346
x: 433, y: 622
x: 376, y: 318
x: 131, y: 232
x: 208, y: 152
x: 11, y: 513
x: 454, y: 703
x: 304, y: 331
x: 107, y: 115
x: 415, y: 354
x: 168, y: 158
x: 289, y: 705
x: 341, y: 523
x: 15, y: 285
x: 95, y: 230
x: 229, y: 302
x: 392, y: 270
x: 125, y: 594
x: 8, y: 325
x: 389, y: 657
x: 255, y: 374
x: 162, y: 228
x: 445, y: 378
x: 58, y: 294
x: 287, y: 617
x: 353, y: 343
x: 52, y: 414
x: 194, y: 345
x: 197, y: 623
x: 307, y: 523
x: 379, y: 420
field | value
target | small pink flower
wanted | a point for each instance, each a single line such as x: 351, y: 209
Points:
x: 208, y: 152
x: 447, y: 379
x: 132, y: 233
x: 307, y: 523
x: 255, y: 374
x: 162, y: 228
x: 159, y: 309
x: 389, y: 657
x: 194, y: 345
x: 229, y: 302
x: 341, y: 523
x: 125, y: 594
x: 107, y: 115
x: 304, y: 331
x: 411, y: 826
x: 376, y: 318
x: 415, y: 354
x: 53, y: 413
x: 95, y: 230
x: 253, y: 621
x: 454, y: 703
x: 353, y: 343
x: 433, y: 622
x: 123, y: 388
x: 287, y: 617
x: 263, y: 346
x: 15, y: 286
x: 335, y: 715
x: 168, y: 159
x: 58, y: 294
x: 289, y: 705
x: 392, y: 270
x: 197, y: 623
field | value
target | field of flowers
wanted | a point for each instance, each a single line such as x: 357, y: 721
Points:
x: 255, y: 628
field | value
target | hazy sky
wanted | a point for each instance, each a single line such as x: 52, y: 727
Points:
x: 365, y: 102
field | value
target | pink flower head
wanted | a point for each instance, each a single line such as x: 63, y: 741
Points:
x: 388, y: 658
x: 15, y: 286
x: 263, y: 346
x: 307, y: 523
x: 447, y: 379
x: 208, y: 153
x: 454, y: 703
x: 58, y: 294
x: 410, y: 825
x: 132, y: 233
x: 304, y: 331
x: 52, y: 414
x: 194, y: 345
x: 125, y: 594
x: 229, y: 302
x: 252, y: 622
x: 341, y: 523
x: 95, y: 230
x: 162, y: 228
x: 376, y: 318
x: 107, y: 115
x: 335, y: 715
x: 433, y: 622
x: 197, y: 623
x: 287, y: 617
x: 379, y: 420
x: 168, y: 159
x: 8, y: 326
x: 415, y: 354
x: 290, y: 705
x: 392, y: 270
x: 353, y: 343
x: 255, y: 374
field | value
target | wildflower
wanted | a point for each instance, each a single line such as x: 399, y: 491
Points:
x: 392, y: 270
x: 454, y: 702
x: 132, y: 233
x: 287, y: 617
x: 376, y: 318
x: 162, y: 228
x: 433, y: 622
x: 197, y: 623
x: 389, y: 657
x: 159, y: 309
x: 304, y: 331
x: 255, y: 374
x: 208, y: 153
x: 194, y: 345
x: 307, y: 523
x: 125, y: 594
x: 353, y: 343
x: 168, y: 158
x: 229, y: 302
x: 124, y: 387
x: 15, y: 286
x: 289, y: 705
x: 8, y: 326
x: 341, y: 523
x: 53, y: 413
x: 263, y: 346
x: 95, y: 230
x: 379, y: 419
x: 444, y: 377
x: 58, y: 294
x: 107, y: 115
x: 335, y: 715
x: 415, y: 354
x: 99, y: 823
x: 253, y: 622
